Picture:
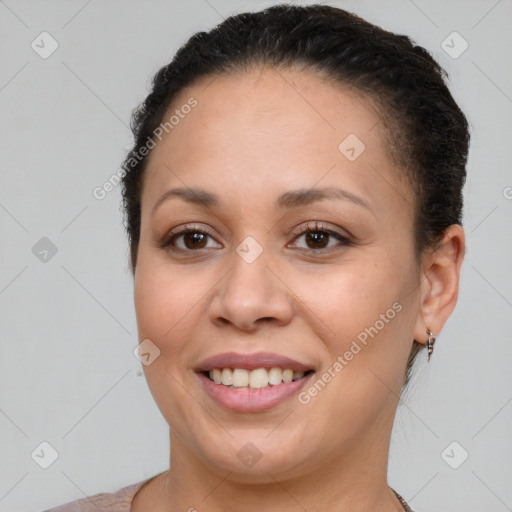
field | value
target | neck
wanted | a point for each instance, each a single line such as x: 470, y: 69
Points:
x: 354, y: 479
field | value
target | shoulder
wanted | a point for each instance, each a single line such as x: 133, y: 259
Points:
x: 119, y: 501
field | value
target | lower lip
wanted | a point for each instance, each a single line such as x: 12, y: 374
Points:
x: 252, y: 400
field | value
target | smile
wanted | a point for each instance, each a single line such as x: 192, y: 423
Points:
x: 252, y: 382
x: 241, y: 378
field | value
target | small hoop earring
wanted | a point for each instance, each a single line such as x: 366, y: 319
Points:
x: 430, y: 343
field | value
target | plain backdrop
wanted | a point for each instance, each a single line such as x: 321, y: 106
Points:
x: 68, y: 376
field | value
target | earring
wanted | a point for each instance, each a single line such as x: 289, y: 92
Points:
x: 430, y: 343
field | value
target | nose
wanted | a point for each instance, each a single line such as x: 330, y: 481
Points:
x: 251, y: 294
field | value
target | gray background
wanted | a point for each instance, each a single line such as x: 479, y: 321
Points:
x: 67, y: 372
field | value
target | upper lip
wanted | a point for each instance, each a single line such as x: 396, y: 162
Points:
x: 251, y: 362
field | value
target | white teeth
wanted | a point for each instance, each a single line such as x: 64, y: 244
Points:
x: 258, y: 378
x: 240, y: 378
x: 253, y: 379
x: 287, y: 375
x: 275, y: 376
x: 226, y: 377
x: 215, y: 376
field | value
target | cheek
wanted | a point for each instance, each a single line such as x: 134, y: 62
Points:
x: 165, y: 304
x: 362, y: 312
x: 362, y: 317
x: 350, y: 298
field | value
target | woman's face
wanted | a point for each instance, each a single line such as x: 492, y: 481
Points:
x: 289, y: 266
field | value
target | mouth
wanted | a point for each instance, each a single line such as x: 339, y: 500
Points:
x: 252, y: 382
x: 259, y: 378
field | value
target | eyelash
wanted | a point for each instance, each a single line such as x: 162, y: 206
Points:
x: 316, y: 228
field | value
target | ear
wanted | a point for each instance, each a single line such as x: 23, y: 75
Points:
x: 439, y: 286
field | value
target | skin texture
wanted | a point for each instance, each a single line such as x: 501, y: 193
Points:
x: 252, y: 137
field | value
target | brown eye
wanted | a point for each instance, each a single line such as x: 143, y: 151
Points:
x: 194, y: 240
x: 317, y: 239
x: 188, y: 239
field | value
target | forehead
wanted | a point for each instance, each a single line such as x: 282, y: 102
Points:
x: 265, y: 130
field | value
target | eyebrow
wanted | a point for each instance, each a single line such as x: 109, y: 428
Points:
x: 292, y: 199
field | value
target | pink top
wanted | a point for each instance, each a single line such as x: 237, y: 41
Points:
x: 121, y: 501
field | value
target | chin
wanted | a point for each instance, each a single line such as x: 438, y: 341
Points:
x: 252, y: 458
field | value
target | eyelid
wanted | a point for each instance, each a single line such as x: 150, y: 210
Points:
x: 190, y: 227
x: 320, y: 226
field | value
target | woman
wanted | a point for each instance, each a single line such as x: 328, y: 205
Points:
x: 293, y: 203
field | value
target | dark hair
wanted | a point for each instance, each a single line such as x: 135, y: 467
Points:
x: 427, y: 133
